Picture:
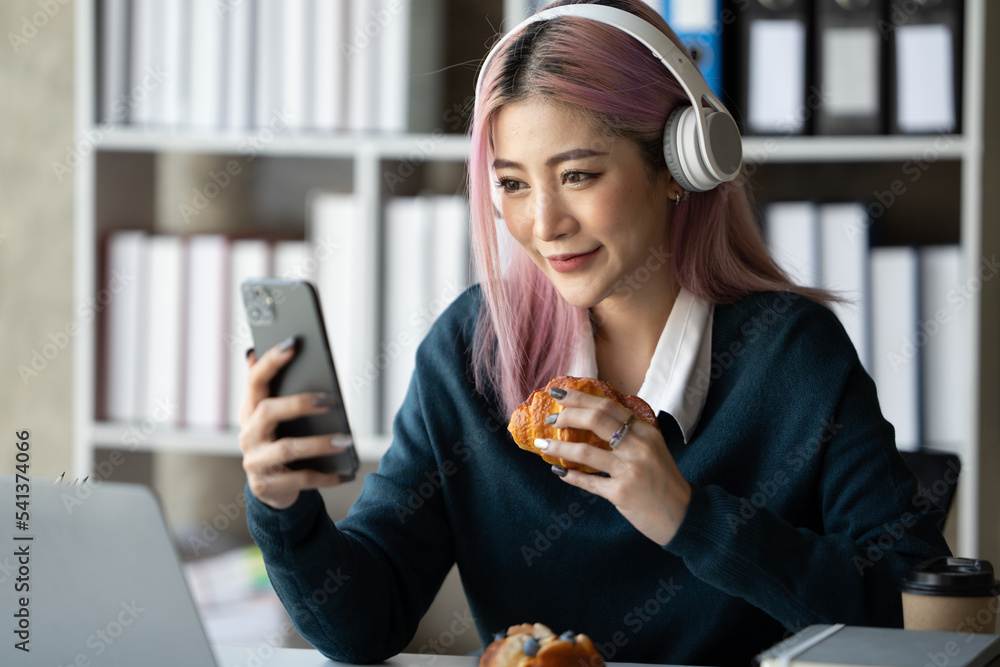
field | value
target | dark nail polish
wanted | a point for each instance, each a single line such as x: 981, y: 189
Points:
x: 557, y: 392
x: 287, y: 344
x: 551, y: 419
x: 249, y: 350
x: 326, y: 400
x: 559, y: 470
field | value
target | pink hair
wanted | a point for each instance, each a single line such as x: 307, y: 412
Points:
x: 527, y: 333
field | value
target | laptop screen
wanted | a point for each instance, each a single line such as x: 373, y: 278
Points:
x: 92, y: 578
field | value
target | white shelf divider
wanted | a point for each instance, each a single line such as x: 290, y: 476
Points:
x: 130, y: 437
x: 84, y: 236
x: 455, y: 147
x: 882, y: 148
x: 429, y: 146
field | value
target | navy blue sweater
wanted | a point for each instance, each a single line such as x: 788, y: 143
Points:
x: 802, y: 511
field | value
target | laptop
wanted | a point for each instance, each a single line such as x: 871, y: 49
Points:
x: 92, y: 578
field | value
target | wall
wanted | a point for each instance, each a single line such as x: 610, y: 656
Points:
x: 36, y: 233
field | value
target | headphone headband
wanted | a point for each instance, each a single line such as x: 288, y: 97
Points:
x: 711, y: 133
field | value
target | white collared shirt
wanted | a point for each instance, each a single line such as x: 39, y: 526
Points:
x: 677, y: 379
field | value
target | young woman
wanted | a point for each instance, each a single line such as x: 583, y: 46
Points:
x: 770, y: 497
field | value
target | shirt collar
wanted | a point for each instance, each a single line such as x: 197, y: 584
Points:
x: 677, y: 379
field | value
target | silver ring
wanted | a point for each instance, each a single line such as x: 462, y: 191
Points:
x: 618, y: 435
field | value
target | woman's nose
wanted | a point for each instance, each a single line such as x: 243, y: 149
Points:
x: 551, y: 218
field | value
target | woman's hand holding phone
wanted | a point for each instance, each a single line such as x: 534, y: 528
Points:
x: 264, y: 458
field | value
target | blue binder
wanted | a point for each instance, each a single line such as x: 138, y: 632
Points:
x: 697, y: 24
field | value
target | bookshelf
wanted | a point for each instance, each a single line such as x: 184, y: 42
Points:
x: 847, y: 166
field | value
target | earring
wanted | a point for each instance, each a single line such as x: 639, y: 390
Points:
x: 677, y: 197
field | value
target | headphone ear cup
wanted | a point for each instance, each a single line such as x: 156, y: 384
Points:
x: 682, y: 150
x: 672, y: 149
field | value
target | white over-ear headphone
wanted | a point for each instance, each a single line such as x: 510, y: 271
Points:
x: 702, y: 146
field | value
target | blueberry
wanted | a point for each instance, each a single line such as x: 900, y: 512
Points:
x: 499, y: 636
x: 568, y: 636
x: 530, y: 647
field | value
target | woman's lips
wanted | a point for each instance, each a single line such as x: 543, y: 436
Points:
x: 566, y: 263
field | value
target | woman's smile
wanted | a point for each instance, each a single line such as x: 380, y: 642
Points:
x: 569, y: 262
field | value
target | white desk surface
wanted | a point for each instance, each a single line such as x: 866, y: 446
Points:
x: 266, y: 656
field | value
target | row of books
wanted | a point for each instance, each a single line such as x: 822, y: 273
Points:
x: 174, y: 333
x: 908, y: 312
x: 427, y: 264
x: 311, y: 65
x: 828, y: 66
x: 423, y: 251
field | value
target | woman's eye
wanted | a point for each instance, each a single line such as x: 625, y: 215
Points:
x: 577, y: 176
x: 509, y: 185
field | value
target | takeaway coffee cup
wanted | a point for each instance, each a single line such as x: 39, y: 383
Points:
x: 951, y: 594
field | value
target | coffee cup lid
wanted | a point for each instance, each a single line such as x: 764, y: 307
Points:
x: 951, y: 576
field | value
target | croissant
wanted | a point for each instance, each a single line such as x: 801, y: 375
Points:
x: 527, y: 645
x: 528, y: 420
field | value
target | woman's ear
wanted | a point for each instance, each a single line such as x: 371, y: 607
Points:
x: 669, y: 183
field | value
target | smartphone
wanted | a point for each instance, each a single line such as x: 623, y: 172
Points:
x: 277, y: 309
